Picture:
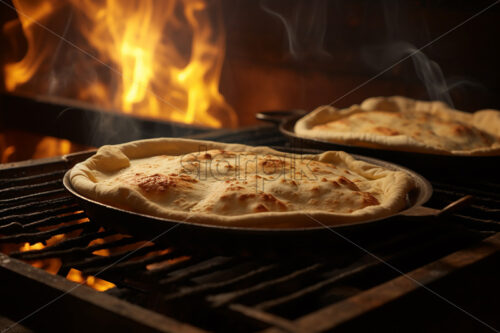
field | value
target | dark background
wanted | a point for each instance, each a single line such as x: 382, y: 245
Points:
x: 339, y: 45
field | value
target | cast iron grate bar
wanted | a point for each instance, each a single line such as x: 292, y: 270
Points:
x: 212, y: 286
x: 487, y: 224
x: 40, y: 236
x: 131, y: 266
x: 196, y: 268
x: 18, y: 227
x: 266, y: 317
x: 32, y: 197
x: 485, y: 191
x: 261, y: 290
x: 37, y: 168
x: 335, y: 314
x: 104, y: 261
x: 485, y: 208
x: 478, y: 195
x: 30, y: 217
x: 224, y: 298
x: 29, y: 180
x: 36, y: 206
x: 19, y: 190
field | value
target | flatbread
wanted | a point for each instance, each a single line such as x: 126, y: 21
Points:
x: 399, y: 123
x: 237, y: 185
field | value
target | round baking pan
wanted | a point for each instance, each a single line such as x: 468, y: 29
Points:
x: 130, y: 222
x: 433, y: 166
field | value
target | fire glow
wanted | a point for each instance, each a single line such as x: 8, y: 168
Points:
x: 53, y: 265
x: 157, y: 59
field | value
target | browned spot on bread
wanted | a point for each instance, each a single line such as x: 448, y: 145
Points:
x: 160, y: 183
x: 335, y: 184
x: 245, y: 196
x: 347, y: 183
x: 272, y: 163
x: 187, y: 178
x: 462, y: 130
x: 386, y: 131
x: 368, y: 199
x: 226, y: 153
x: 234, y: 187
x: 207, y: 156
x: 260, y: 208
x: 227, y: 196
x: 281, y: 205
x: 324, y: 179
x: 155, y: 183
x: 268, y: 197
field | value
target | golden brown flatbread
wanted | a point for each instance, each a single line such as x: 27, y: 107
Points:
x: 238, y: 185
x: 400, y: 123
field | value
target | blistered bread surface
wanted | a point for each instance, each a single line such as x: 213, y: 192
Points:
x: 226, y: 184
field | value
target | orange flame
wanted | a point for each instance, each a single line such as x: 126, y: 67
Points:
x: 50, y: 146
x: 52, y: 265
x: 89, y: 280
x: 156, y: 58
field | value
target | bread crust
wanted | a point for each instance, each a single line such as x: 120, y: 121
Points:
x: 445, y: 131
x: 111, y: 176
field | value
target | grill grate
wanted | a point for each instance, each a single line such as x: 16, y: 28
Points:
x: 247, y: 291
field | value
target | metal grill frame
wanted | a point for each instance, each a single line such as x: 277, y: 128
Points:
x: 99, y: 309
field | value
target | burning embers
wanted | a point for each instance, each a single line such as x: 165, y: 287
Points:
x: 150, y: 58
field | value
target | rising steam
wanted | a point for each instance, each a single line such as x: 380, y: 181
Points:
x: 428, y: 71
x: 304, y: 22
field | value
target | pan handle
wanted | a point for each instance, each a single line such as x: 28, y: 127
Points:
x: 426, y: 211
x: 278, y: 116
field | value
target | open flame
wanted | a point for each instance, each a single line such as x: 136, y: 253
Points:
x: 89, y: 280
x: 52, y: 265
x: 150, y: 58
x: 16, y: 146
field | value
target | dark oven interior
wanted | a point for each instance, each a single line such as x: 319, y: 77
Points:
x: 413, y: 274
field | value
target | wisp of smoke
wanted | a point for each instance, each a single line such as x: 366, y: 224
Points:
x: 304, y: 22
x: 428, y: 71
